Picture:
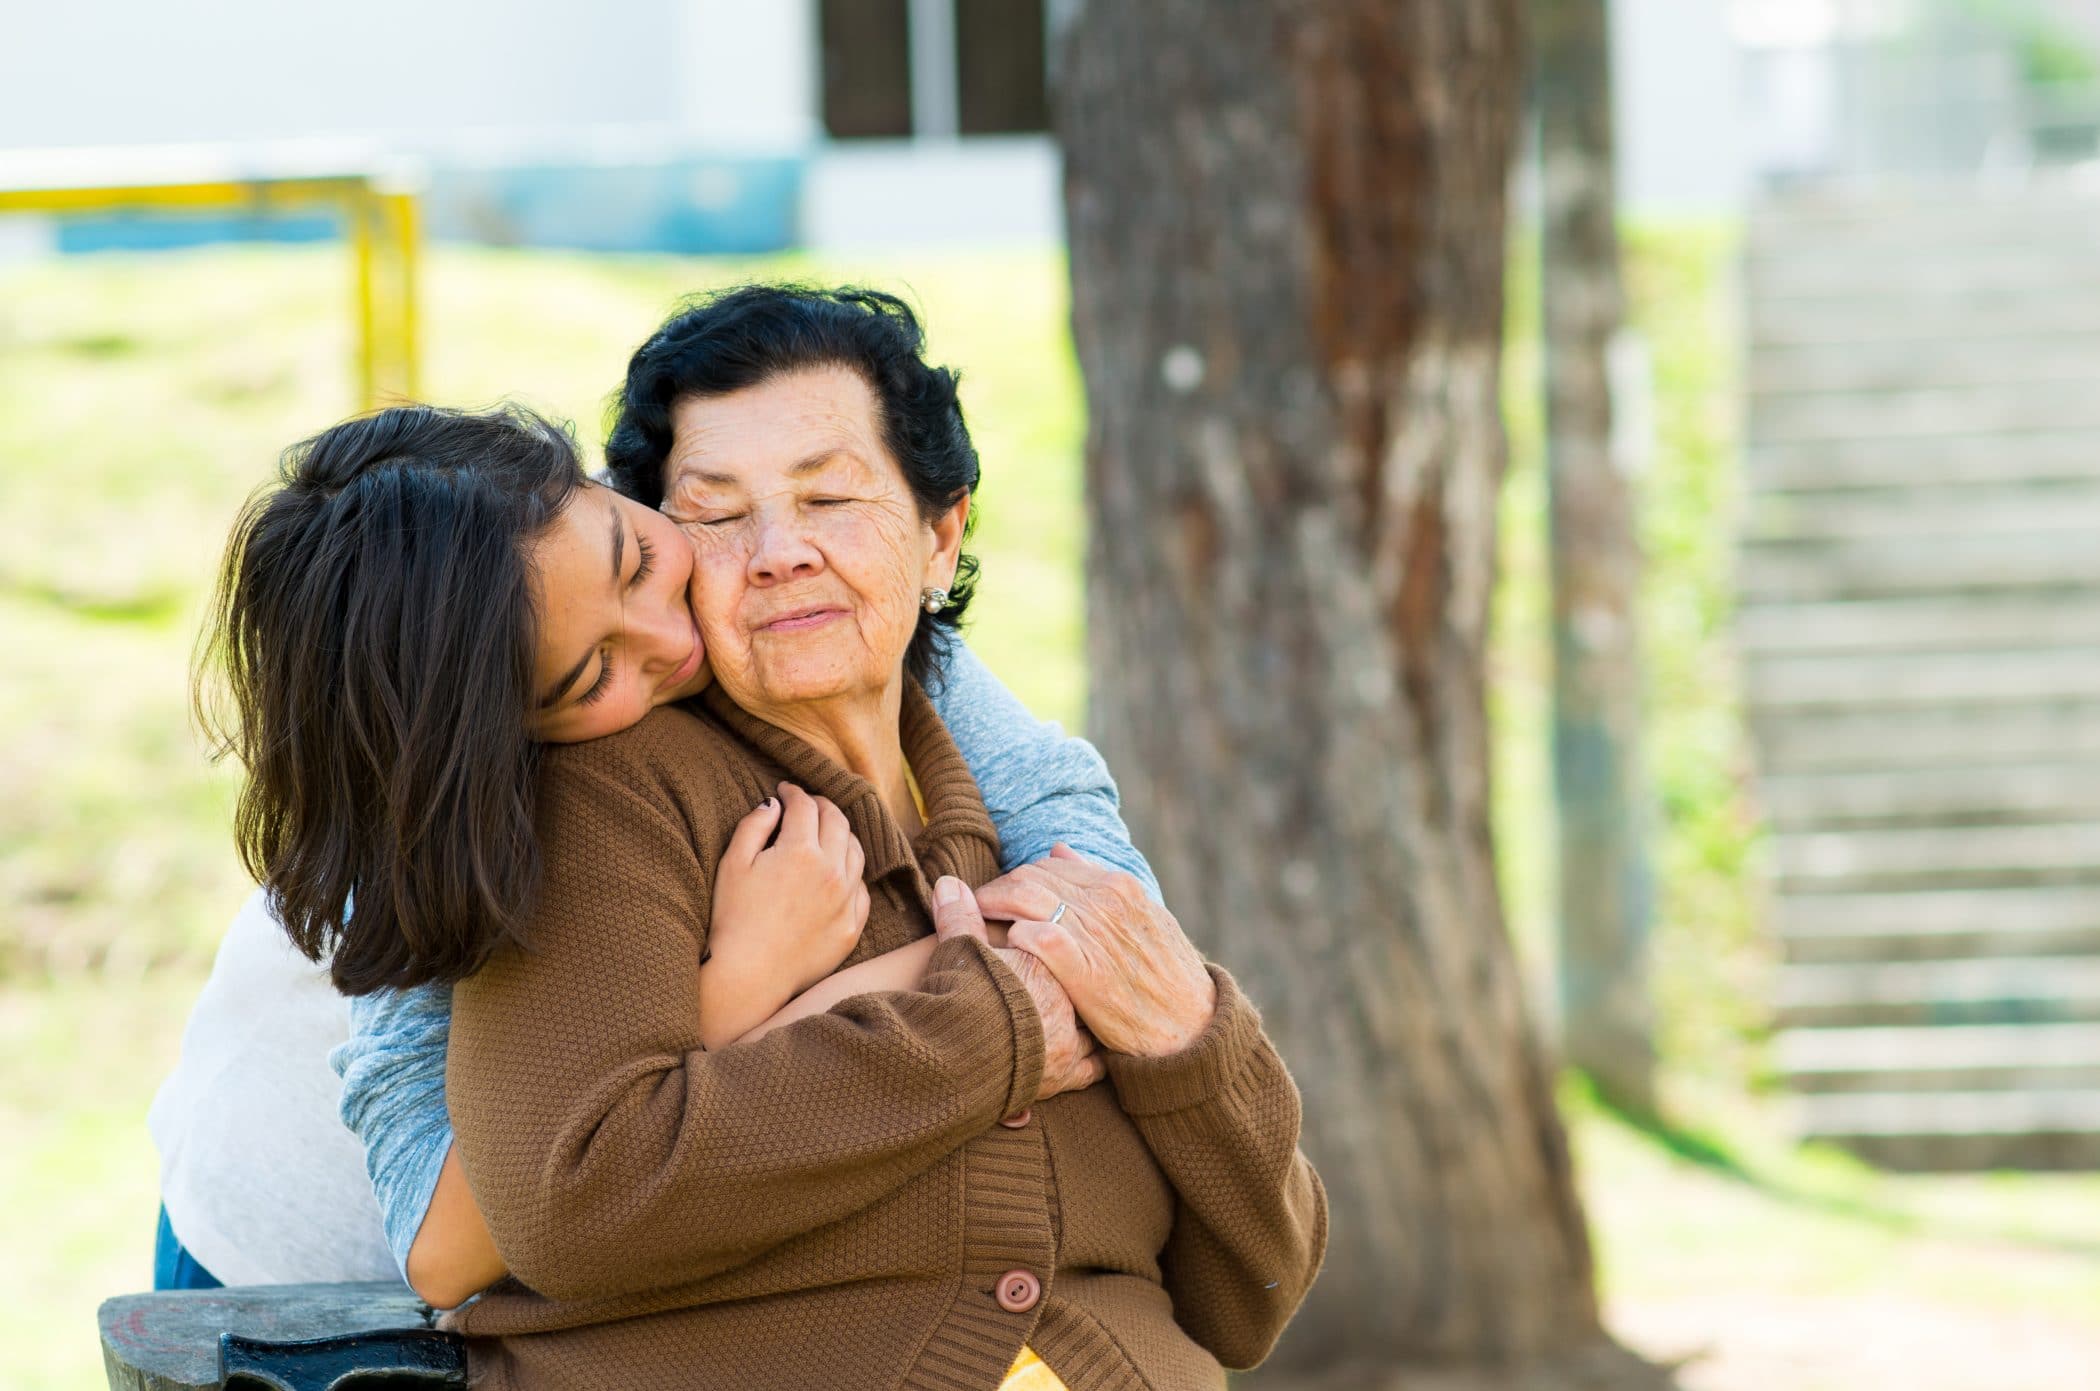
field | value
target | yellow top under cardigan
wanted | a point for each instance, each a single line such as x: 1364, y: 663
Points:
x: 1031, y: 1373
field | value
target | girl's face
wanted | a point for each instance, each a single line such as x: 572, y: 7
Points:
x: 613, y: 582
x: 812, y: 549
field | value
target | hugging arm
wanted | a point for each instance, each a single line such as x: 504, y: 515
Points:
x: 609, y: 1151
x: 393, y: 1071
x: 1041, y: 787
x: 394, y: 1067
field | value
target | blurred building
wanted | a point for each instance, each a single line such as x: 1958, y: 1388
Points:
x: 718, y: 125
x: 1882, y: 90
x: 686, y: 125
x: 676, y: 125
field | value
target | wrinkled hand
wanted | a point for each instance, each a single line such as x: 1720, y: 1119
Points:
x: 787, y: 914
x: 1070, y: 1060
x: 1136, y: 980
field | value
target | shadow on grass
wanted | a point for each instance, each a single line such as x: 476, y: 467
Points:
x: 1716, y: 1155
x: 152, y: 607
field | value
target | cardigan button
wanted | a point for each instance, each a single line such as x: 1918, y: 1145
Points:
x: 1018, y: 1291
x: 1017, y: 1119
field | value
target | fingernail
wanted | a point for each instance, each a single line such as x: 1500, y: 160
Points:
x: 947, y: 889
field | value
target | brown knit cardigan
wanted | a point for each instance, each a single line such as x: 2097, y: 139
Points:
x: 837, y: 1205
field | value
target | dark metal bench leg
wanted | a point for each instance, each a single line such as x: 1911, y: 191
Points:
x: 415, y: 1359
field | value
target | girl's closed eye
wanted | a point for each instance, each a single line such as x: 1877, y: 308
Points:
x: 602, y: 684
x: 645, y: 558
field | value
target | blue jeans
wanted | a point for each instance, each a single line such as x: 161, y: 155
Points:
x: 174, y: 1268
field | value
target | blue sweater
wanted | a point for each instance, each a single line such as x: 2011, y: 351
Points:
x: 1040, y: 786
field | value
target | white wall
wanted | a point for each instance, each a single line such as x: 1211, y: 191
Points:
x: 751, y: 75
x: 1679, y: 114
x: 884, y: 194
x: 123, y: 72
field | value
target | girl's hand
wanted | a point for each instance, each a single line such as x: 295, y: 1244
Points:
x: 785, y: 915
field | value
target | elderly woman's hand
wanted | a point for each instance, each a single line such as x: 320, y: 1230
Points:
x: 1070, y: 1060
x: 1134, y: 977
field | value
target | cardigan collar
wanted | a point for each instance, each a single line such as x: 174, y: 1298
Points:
x: 958, y: 837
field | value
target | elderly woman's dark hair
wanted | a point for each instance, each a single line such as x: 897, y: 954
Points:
x: 731, y: 339
x: 375, y: 634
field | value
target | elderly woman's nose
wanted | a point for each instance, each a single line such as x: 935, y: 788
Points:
x: 782, y: 550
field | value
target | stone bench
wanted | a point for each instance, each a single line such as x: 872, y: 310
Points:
x: 375, y: 1337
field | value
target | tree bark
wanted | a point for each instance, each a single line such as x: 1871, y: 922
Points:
x: 1606, y: 890
x: 1286, y: 223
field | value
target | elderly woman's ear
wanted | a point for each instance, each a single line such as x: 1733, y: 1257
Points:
x: 948, y: 531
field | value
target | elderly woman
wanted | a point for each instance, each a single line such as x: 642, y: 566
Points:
x: 919, y: 1186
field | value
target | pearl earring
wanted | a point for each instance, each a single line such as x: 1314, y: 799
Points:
x: 933, y: 600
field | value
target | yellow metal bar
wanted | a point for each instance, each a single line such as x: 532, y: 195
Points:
x: 115, y: 198
x: 359, y: 212
x: 404, y: 223
x: 384, y: 297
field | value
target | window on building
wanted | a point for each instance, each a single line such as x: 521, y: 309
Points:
x: 896, y: 68
x: 999, y: 67
x: 867, y: 68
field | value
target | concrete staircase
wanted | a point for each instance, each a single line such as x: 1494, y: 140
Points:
x: 1920, y: 625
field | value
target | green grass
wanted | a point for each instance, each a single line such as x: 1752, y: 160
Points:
x: 142, y: 398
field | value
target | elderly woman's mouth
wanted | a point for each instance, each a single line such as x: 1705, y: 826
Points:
x: 802, y: 619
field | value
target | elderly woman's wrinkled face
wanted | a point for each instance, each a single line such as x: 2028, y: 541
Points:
x: 812, y: 550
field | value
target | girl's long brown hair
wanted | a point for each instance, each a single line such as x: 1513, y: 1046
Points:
x: 369, y: 658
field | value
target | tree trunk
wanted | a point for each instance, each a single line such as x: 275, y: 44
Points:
x: 1286, y: 222
x: 1606, y: 894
